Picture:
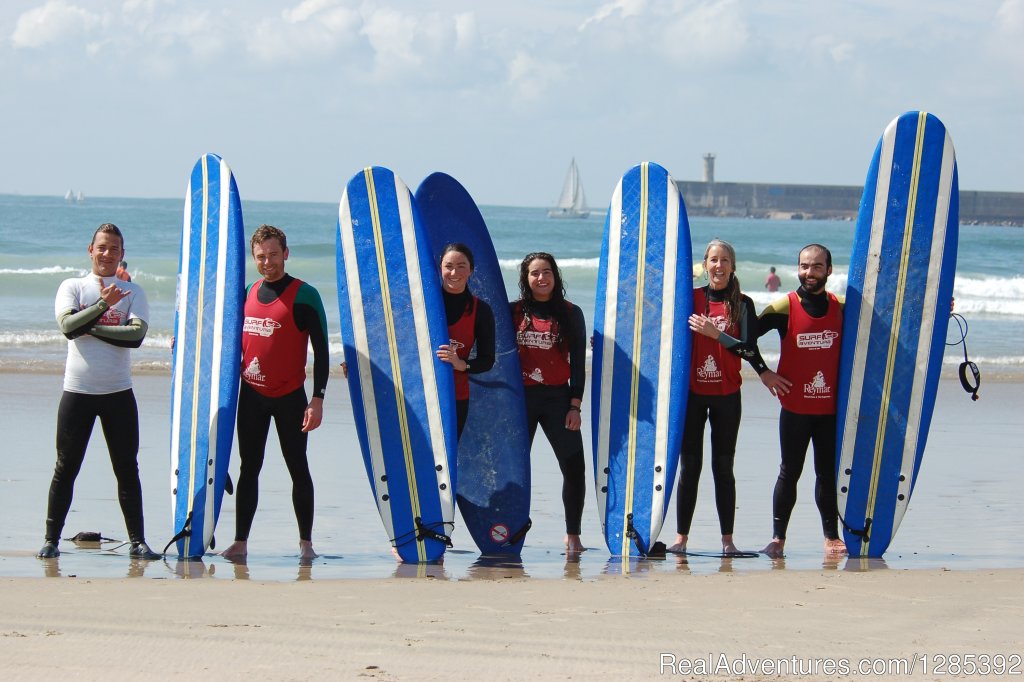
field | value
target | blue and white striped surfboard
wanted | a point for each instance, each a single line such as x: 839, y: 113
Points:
x: 641, y: 362
x: 494, y: 452
x: 207, y: 351
x: 403, y: 397
x: 894, y: 326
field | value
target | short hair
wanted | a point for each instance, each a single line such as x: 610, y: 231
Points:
x: 265, y: 232
x: 828, y: 254
x: 108, y: 228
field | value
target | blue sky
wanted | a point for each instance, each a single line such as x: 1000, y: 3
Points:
x: 119, y: 98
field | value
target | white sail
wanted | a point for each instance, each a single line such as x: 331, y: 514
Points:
x: 573, y: 202
x: 70, y: 196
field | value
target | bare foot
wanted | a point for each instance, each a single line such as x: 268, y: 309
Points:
x: 237, y: 550
x: 573, y: 544
x: 835, y: 546
x: 306, y: 550
x: 679, y: 546
x: 728, y: 546
x: 775, y: 548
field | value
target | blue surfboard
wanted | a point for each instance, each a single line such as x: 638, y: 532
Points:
x: 494, y: 451
x: 898, y: 297
x: 641, y: 363
x: 207, y: 351
x: 403, y: 397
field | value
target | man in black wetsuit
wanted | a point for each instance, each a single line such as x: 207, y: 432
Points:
x: 283, y: 317
x: 810, y: 322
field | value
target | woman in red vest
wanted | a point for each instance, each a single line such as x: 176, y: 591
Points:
x: 470, y: 322
x: 725, y: 330
x: 552, y: 338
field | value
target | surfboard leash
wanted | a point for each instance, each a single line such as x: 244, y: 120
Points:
x: 185, y: 532
x: 516, y: 537
x: 864, y: 535
x: 965, y: 366
x: 425, y: 532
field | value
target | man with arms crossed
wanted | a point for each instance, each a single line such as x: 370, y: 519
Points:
x: 103, y: 318
x: 283, y: 316
x: 810, y: 324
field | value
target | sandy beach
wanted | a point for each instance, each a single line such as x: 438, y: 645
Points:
x: 801, y: 625
x: 951, y: 584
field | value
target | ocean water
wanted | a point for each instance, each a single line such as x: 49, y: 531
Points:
x: 45, y: 239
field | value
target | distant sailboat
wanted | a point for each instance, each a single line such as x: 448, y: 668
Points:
x: 572, y: 203
x: 80, y: 197
x: 70, y: 196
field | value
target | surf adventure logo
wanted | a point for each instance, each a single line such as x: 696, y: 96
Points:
x: 709, y: 371
x: 532, y: 339
x: 535, y: 375
x: 112, y: 318
x: 253, y: 373
x: 456, y: 345
x: 817, y: 388
x: 817, y: 340
x: 260, y: 326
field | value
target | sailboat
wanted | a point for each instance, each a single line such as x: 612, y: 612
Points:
x: 572, y: 203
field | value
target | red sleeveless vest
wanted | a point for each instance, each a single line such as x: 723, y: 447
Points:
x: 810, y: 358
x: 273, y: 348
x: 543, y: 353
x: 462, y: 336
x: 713, y: 369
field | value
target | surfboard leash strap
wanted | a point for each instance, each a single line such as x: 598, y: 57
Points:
x: 424, y: 532
x: 632, y: 534
x: 185, y: 532
x: 864, y: 535
x: 516, y: 537
x: 966, y: 366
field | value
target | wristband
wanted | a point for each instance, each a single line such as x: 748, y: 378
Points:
x: 574, y: 407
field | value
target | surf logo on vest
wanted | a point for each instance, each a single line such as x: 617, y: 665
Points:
x: 536, y: 375
x: 260, y: 326
x: 456, y: 345
x: 709, y: 371
x: 533, y: 339
x: 817, y: 388
x: 253, y: 373
x: 814, y: 340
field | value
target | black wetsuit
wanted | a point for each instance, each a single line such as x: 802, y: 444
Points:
x: 546, y: 405
x: 256, y: 410
x: 723, y: 412
x: 796, y: 432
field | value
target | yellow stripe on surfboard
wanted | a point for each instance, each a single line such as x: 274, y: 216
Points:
x: 197, y: 373
x: 901, y: 285
x: 396, y: 368
x: 634, y: 389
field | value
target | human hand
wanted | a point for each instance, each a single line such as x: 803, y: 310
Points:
x: 704, y: 325
x: 112, y: 294
x: 313, y: 416
x: 778, y: 385
x: 445, y: 353
x: 573, y: 418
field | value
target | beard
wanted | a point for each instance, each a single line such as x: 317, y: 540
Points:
x: 818, y: 288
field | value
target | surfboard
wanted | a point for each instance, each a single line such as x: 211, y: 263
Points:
x: 898, y: 298
x: 207, y: 352
x: 641, y: 362
x: 494, y: 451
x: 403, y: 397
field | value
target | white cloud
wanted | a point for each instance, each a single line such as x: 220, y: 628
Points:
x: 54, y: 22
x: 391, y: 34
x: 531, y: 77
x: 1008, y: 32
x: 705, y: 32
x: 465, y: 30
x: 625, y: 8
x: 311, y: 28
